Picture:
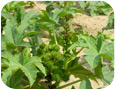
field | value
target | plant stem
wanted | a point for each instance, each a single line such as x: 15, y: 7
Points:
x: 63, y: 86
x: 79, y: 51
x: 26, y: 86
x: 33, y: 47
x: 54, y: 34
x: 25, y: 81
x: 34, y: 44
x: 102, y: 61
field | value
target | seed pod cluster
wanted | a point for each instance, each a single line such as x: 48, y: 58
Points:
x: 66, y: 31
x: 53, y: 61
x: 66, y: 37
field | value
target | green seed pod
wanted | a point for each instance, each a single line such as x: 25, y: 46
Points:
x: 50, y: 47
x: 56, y: 77
x: 56, y: 55
x: 62, y: 62
x: 39, y: 51
x: 53, y: 53
x: 46, y: 57
x: 56, y: 48
x: 42, y: 45
x: 65, y: 77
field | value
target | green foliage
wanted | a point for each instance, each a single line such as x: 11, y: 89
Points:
x: 95, y: 7
x: 53, y: 60
x: 15, y: 28
x: 66, y: 10
x: 10, y: 7
x: 85, y: 84
x: 107, y: 75
x: 97, y: 49
x: 110, y: 24
x: 23, y: 62
x: 26, y: 64
x: 81, y: 72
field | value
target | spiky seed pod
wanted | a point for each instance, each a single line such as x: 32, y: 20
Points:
x: 65, y: 77
x: 65, y: 26
x: 42, y: 45
x: 56, y: 77
x: 39, y: 51
x: 56, y: 48
x: 66, y: 23
x: 69, y: 34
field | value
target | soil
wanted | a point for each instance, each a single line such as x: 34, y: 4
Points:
x: 91, y: 24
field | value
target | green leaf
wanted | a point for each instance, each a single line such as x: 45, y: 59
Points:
x: 91, y: 43
x: 28, y: 16
x: 107, y: 50
x: 73, y: 63
x: 41, y: 67
x: 10, y: 46
x: 7, y: 15
x: 46, y: 26
x: 92, y: 58
x: 106, y: 8
x: 21, y: 29
x: 77, y: 10
x: 7, y: 73
x: 93, y: 10
x: 13, y: 5
x: 82, y: 4
x: 98, y: 48
x: 31, y: 73
x: 55, y: 14
x: 15, y: 34
x: 81, y: 72
x: 30, y: 33
x: 111, y: 17
x: 107, y: 75
x: 8, y: 37
x: 110, y: 24
x: 16, y: 79
x: 85, y: 84
x: 112, y: 65
x: 3, y: 46
x: 22, y: 43
x: 62, y: 14
x: 12, y: 38
x: 98, y: 71
x: 25, y: 19
x: 23, y: 62
x: 109, y: 36
x: 37, y: 62
x: 79, y: 43
x: 44, y: 17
